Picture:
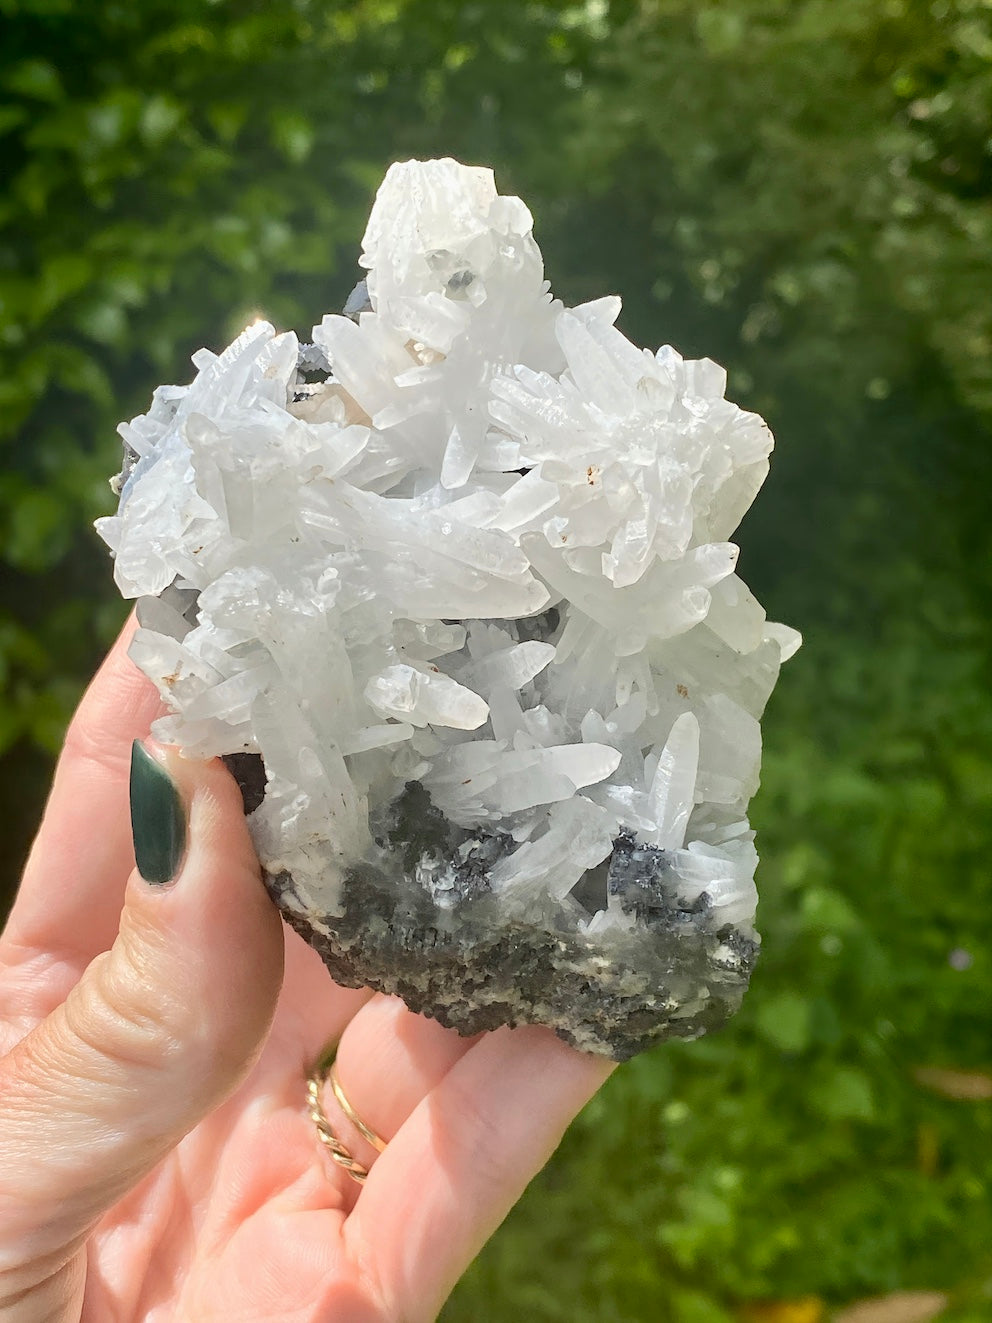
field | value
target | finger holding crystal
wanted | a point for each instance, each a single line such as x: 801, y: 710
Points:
x: 68, y: 906
x: 387, y: 1061
x: 486, y: 1128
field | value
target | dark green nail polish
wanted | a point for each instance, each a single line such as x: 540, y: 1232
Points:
x: 158, y: 822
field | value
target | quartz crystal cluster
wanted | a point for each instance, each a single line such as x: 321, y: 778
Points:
x: 451, y: 587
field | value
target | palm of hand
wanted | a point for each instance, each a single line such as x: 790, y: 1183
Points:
x: 246, y: 1216
x: 249, y: 1219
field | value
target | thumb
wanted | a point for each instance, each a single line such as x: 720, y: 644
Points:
x: 158, y: 1031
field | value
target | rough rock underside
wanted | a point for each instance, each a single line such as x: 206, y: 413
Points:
x: 451, y: 590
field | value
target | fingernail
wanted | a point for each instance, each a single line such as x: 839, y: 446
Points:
x: 158, y: 821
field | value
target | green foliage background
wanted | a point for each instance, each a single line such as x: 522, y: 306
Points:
x: 797, y: 188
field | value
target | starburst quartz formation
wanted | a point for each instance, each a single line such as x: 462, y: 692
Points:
x: 452, y: 589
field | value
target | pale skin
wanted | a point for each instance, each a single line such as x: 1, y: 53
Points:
x: 156, y: 1158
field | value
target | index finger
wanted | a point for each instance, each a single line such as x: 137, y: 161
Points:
x: 68, y: 906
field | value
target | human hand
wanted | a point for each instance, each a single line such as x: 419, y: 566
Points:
x: 156, y: 1158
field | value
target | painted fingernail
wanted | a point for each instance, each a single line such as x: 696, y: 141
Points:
x: 158, y: 821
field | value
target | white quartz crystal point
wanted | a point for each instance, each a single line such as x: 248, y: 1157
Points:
x: 673, y: 785
x: 484, y: 780
x: 177, y: 517
x: 424, y: 698
x: 438, y: 234
x: 648, y: 458
x: 457, y: 290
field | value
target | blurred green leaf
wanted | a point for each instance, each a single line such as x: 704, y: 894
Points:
x: 293, y: 134
x: 784, y: 1021
x: 160, y: 116
x: 37, y: 534
x: 844, y: 1094
x: 37, y: 79
x: 824, y: 908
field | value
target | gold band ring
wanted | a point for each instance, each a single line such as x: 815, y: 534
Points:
x: 325, y: 1070
x: 368, y: 1134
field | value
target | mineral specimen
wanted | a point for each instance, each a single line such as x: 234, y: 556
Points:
x: 451, y: 588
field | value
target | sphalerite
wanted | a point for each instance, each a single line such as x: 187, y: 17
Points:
x: 451, y: 588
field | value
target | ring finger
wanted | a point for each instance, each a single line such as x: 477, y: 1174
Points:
x: 387, y: 1061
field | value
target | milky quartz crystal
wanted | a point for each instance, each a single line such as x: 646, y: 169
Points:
x: 451, y: 588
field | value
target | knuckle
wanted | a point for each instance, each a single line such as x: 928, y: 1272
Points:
x: 119, y: 1016
x: 97, y: 745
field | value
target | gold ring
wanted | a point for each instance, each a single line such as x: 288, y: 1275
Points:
x: 366, y: 1132
x: 323, y: 1070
